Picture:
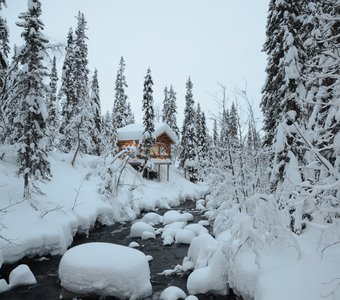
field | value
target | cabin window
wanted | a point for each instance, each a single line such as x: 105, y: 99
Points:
x: 163, y: 150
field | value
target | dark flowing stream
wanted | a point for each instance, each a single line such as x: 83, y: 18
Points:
x: 46, y: 269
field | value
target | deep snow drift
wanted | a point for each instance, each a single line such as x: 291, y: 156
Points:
x: 72, y: 203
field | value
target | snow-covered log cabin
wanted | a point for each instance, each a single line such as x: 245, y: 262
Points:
x: 160, y: 152
x: 132, y: 135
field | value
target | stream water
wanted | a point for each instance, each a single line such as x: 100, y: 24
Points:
x: 46, y: 269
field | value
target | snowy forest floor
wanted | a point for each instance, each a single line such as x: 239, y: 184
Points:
x: 264, y: 262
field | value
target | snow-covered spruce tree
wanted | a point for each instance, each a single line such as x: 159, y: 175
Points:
x: 109, y: 134
x: 282, y: 47
x: 288, y: 57
x: 4, y: 51
x: 9, y: 97
x: 232, y: 126
x: 78, y: 130
x: 188, y: 154
x: 283, y: 91
x: 31, y: 110
x: 215, y: 136
x: 68, y: 98
x: 202, y: 142
x: 170, y: 109
x: 52, y: 106
x: 323, y: 85
x: 122, y: 114
x: 130, y: 116
x: 148, y: 116
x: 84, y: 118
x: 96, y: 111
x: 4, y: 42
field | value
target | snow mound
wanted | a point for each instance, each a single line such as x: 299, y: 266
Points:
x: 212, y: 278
x: 184, y: 236
x: 172, y: 216
x: 191, y: 297
x: 137, y: 229
x: 134, y: 245
x: 172, y: 293
x: 200, y: 204
x: 21, y: 275
x: 198, y: 229
x: 146, y: 235
x: 169, y: 232
x: 202, y: 249
x: 152, y: 218
x: 107, y: 270
x: 189, y: 217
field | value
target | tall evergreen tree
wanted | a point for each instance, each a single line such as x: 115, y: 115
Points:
x: 68, y: 97
x: 77, y: 129
x: 4, y: 42
x: 52, y: 104
x: 149, y: 115
x: 31, y: 112
x: 232, y: 126
x: 109, y: 134
x: 4, y: 51
x: 284, y: 90
x: 323, y: 85
x: 170, y: 109
x: 81, y: 70
x: 9, y: 99
x: 282, y: 47
x: 122, y: 114
x: 96, y: 112
x: 189, y: 135
x: 215, y: 137
x: 202, y: 137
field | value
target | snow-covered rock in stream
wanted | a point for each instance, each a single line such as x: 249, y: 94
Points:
x: 152, y: 218
x: 106, y: 270
x: 20, y: 276
x: 184, y: 236
x: 172, y: 216
x: 211, y: 279
x: 172, y: 293
x: 138, y: 228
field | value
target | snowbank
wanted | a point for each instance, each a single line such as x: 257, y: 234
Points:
x: 72, y: 203
x: 106, y: 270
x: 264, y: 260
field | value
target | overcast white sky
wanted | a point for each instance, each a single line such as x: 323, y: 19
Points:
x: 210, y: 40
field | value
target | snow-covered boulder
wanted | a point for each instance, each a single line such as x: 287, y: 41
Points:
x: 172, y: 293
x: 107, y: 270
x: 134, y: 245
x: 137, y: 229
x: 146, y: 235
x: 172, y: 216
x: 152, y: 218
x: 21, y: 275
x: 211, y: 279
x: 189, y: 216
x: 198, y: 229
x: 184, y: 236
x: 202, y: 249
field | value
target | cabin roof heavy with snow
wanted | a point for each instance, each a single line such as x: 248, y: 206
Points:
x: 132, y: 135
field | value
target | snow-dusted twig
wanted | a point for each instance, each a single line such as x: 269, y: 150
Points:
x: 332, y: 291
x: 75, y: 202
x: 47, y: 211
x: 328, y: 246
